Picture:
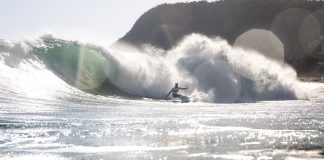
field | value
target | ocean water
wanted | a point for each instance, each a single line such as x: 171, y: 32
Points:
x: 69, y: 100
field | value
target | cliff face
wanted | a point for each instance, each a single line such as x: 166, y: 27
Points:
x: 297, y: 23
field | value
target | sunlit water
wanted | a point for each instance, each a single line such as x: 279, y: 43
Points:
x: 103, y: 129
x: 44, y: 114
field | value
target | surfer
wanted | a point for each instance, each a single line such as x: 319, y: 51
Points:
x: 175, y: 90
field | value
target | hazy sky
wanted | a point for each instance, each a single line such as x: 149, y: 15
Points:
x: 102, y: 21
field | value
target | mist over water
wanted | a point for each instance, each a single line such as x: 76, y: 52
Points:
x: 234, y: 74
x: 214, y: 71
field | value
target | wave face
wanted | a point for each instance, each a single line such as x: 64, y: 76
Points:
x: 214, y: 71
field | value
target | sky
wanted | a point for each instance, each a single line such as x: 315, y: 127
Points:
x: 98, y: 21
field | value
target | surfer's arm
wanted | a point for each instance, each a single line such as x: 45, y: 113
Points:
x: 183, y: 88
x: 168, y: 94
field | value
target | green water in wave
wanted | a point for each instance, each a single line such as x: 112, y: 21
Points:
x: 80, y: 65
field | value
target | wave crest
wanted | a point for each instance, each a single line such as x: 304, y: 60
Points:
x: 214, y: 70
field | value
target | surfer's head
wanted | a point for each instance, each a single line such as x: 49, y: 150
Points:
x: 176, y: 85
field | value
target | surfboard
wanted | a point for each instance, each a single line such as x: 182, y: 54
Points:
x: 184, y: 99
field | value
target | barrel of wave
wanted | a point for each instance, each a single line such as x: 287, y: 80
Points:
x: 80, y: 65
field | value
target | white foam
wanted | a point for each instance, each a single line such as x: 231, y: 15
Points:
x: 215, y: 72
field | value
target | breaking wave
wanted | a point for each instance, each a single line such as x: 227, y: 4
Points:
x: 214, y: 71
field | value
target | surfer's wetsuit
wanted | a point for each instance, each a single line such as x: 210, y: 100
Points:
x: 175, y: 90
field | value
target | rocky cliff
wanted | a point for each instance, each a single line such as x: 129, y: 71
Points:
x: 297, y: 24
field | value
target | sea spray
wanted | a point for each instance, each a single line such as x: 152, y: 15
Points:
x: 213, y: 70
x: 247, y: 75
x: 140, y: 74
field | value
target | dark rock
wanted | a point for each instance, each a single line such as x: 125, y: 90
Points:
x: 297, y: 23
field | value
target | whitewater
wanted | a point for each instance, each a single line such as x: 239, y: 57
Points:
x: 63, y: 99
